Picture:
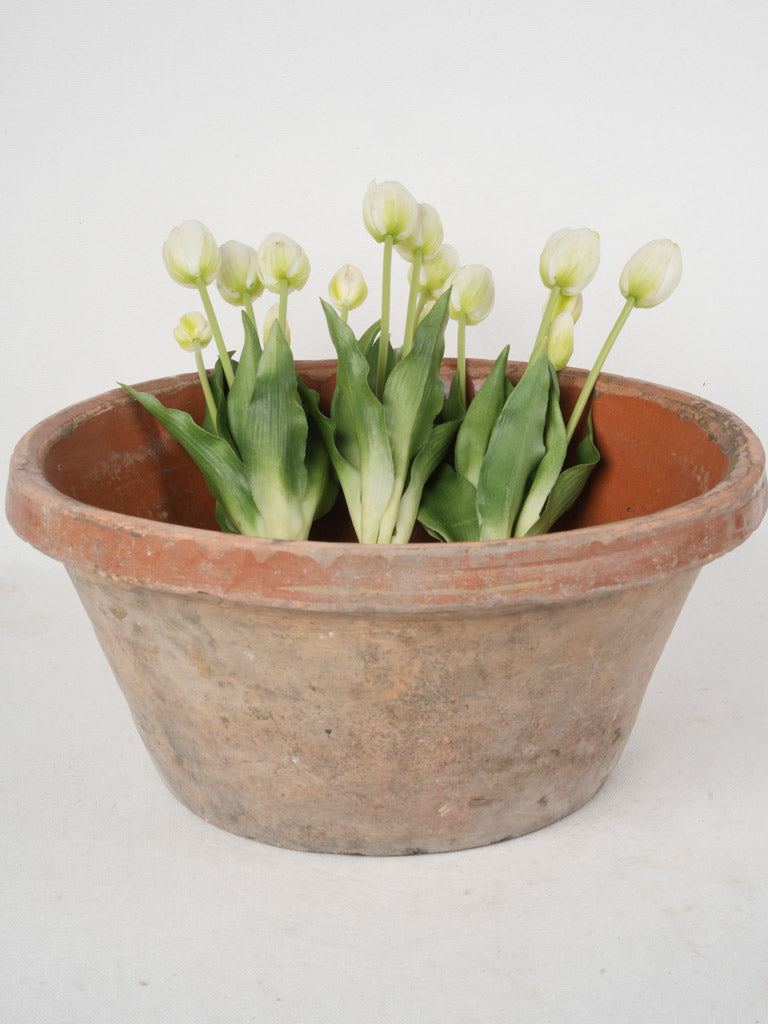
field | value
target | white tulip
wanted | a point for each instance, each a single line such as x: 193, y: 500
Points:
x: 192, y: 329
x: 436, y: 271
x: 347, y: 288
x: 560, y: 341
x: 427, y: 235
x: 190, y: 254
x: 389, y: 209
x: 472, y: 293
x: 570, y: 259
x: 652, y: 273
x: 573, y: 303
x: 281, y: 259
x: 270, y: 320
x: 238, y: 276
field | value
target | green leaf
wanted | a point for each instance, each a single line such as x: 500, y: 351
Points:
x: 274, y: 445
x: 223, y: 519
x: 453, y: 407
x: 515, y: 449
x: 448, y: 508
x: 366, y: 416
x: 348, y: 475
x: 221, y: 468
x: 219, y: 391
x: 367, y: 338
x: 422, y: 468
x: 413, y: 397
x: 413, y: 394
x: 480, y: 419
x: 372, y: 355
x: 569, y: 484
x: 548, y: 470
x: 322, y: 486
x: 241, y: 392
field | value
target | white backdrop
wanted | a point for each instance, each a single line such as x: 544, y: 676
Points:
x: 639, y: 120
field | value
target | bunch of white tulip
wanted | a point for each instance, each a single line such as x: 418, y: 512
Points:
x: 396, y: 444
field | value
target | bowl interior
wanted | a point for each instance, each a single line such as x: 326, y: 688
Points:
x: 655, y: 455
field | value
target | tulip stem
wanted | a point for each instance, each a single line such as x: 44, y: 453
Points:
x: 282, y: 311
x: 344, y: 312
x: 461, y: 360
x: 205, y: 383
x: 386, y: 278
x: 546, y: 322
x: 248, y: 303
x: 413, y: 294
x: 226, y: 364
x: 589, y: 383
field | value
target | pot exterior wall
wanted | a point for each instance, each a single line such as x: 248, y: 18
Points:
x: 383, y: 733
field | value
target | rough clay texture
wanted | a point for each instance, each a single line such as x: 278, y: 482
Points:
x: 383, y: 734
x: 385, y: 699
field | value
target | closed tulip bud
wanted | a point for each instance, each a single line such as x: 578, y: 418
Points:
x: 271, y: 319
x: 192, y: 329
x: 652, y: 273
x: 281, y: 259
x: 560, y: 341
x: 436, y: 271
x: 570, y: 259
x: 426, y: 236
x: 472, y: 293
x: 238, y: 276
x: 347, y: 288
x: 389, y: 209
x: 573, y: 303
x: 190, y: 254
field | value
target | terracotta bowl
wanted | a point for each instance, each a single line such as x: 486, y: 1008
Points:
x: 331, y: 696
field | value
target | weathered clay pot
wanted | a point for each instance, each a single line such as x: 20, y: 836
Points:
x: 338, y: 697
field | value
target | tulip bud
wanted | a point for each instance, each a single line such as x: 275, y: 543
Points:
x: 389, y: 209
x: 560, y: 341
x: 427, y: 235
x: 281, y: 259
x: 570, y: 259
x: 573, y: 303
x: 436, y: 270
x: 271, y: 319
x: 190, y: 254
x: 652, y: 273
x: 238, y: 276
x: 347, y: 288
x: 472, y: 293
x: 192, y: 328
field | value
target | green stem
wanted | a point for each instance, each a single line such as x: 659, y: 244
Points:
x: 461, y: 359
x: 344, y: 312
x: 386, y: 279
x: 216, y: 330
x: 282, y: 312
x: 423, y: 299
x: 546, y: 321
x: 413, y: 294
x: 589, y: 384
x: 205, y: 383
x: 248, y: 303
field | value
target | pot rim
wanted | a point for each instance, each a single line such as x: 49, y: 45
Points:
x: 342, y: 575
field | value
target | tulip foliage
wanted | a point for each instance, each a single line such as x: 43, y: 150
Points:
x: 393, y: 442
